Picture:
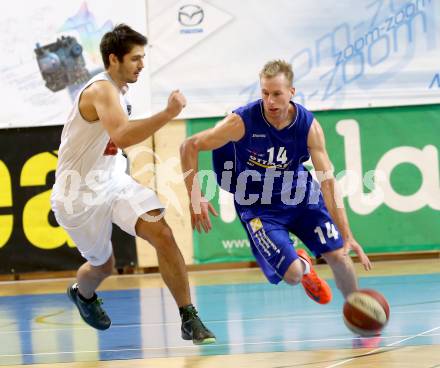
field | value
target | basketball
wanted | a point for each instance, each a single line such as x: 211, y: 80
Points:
x: 366, y: 312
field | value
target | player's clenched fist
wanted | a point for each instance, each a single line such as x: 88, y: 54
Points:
x: 176, y: 102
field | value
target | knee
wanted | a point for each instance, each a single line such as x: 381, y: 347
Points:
x: 162, y: 239
x: 292, y: 279
x: 157, y: 233
x: 337, y: 257
x: 106, y: 269
x: 293, y: 275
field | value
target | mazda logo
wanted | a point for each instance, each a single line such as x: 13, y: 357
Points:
x: 190, y: 15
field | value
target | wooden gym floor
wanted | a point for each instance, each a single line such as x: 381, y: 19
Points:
x: 257, y: 324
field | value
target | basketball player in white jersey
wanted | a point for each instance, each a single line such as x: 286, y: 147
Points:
x: 92, y: 190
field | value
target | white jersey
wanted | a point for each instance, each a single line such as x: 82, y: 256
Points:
x: 88, y: 162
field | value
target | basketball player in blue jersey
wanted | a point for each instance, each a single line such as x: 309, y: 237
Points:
x: 258, y: 154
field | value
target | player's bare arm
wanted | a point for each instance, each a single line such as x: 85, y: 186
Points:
x: 231, y: 128
x: 104, y: 98
x: 332, y: 197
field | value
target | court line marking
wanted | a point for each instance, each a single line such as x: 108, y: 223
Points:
x: 41, y: 320
x: 384, y: 347
x: 197, y: 347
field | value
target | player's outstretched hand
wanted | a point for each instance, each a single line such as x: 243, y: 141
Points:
x: 200, y: 215
x: 176, y: 102
x: 352, y: 244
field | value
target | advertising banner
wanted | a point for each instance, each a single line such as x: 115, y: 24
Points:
x: 30, y: 238
x: 387, y: 163
x: 49, y: 50
x: 345, y: 54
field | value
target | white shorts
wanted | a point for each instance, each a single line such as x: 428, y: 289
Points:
x: 91, y: 228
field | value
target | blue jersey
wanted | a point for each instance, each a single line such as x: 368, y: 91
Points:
x: 266, y: 162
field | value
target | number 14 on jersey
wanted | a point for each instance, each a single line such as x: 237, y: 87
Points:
x: 331, y: 232
x: 281, y: 156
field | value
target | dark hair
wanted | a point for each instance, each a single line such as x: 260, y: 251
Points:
x: 120, y: 41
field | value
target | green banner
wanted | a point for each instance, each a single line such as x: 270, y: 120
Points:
x: 387, y: 161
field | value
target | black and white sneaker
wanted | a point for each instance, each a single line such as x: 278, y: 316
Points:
x: 193, y: 328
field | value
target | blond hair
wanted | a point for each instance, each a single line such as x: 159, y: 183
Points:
x: 274, y: 67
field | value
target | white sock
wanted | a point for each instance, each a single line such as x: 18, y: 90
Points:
x: 306, y: 266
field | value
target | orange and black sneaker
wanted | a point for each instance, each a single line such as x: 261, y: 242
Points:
x: 315, y: 287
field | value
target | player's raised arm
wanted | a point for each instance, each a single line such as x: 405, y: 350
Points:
x: 231, y: 128
x: 124, y: 133
x: 332, y: 197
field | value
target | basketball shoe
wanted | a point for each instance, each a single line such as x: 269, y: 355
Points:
x: 90, y: 311
x: 315, y: 287
x: 193, y: 328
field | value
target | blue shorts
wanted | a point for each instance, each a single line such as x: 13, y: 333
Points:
x: 268, y: 229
